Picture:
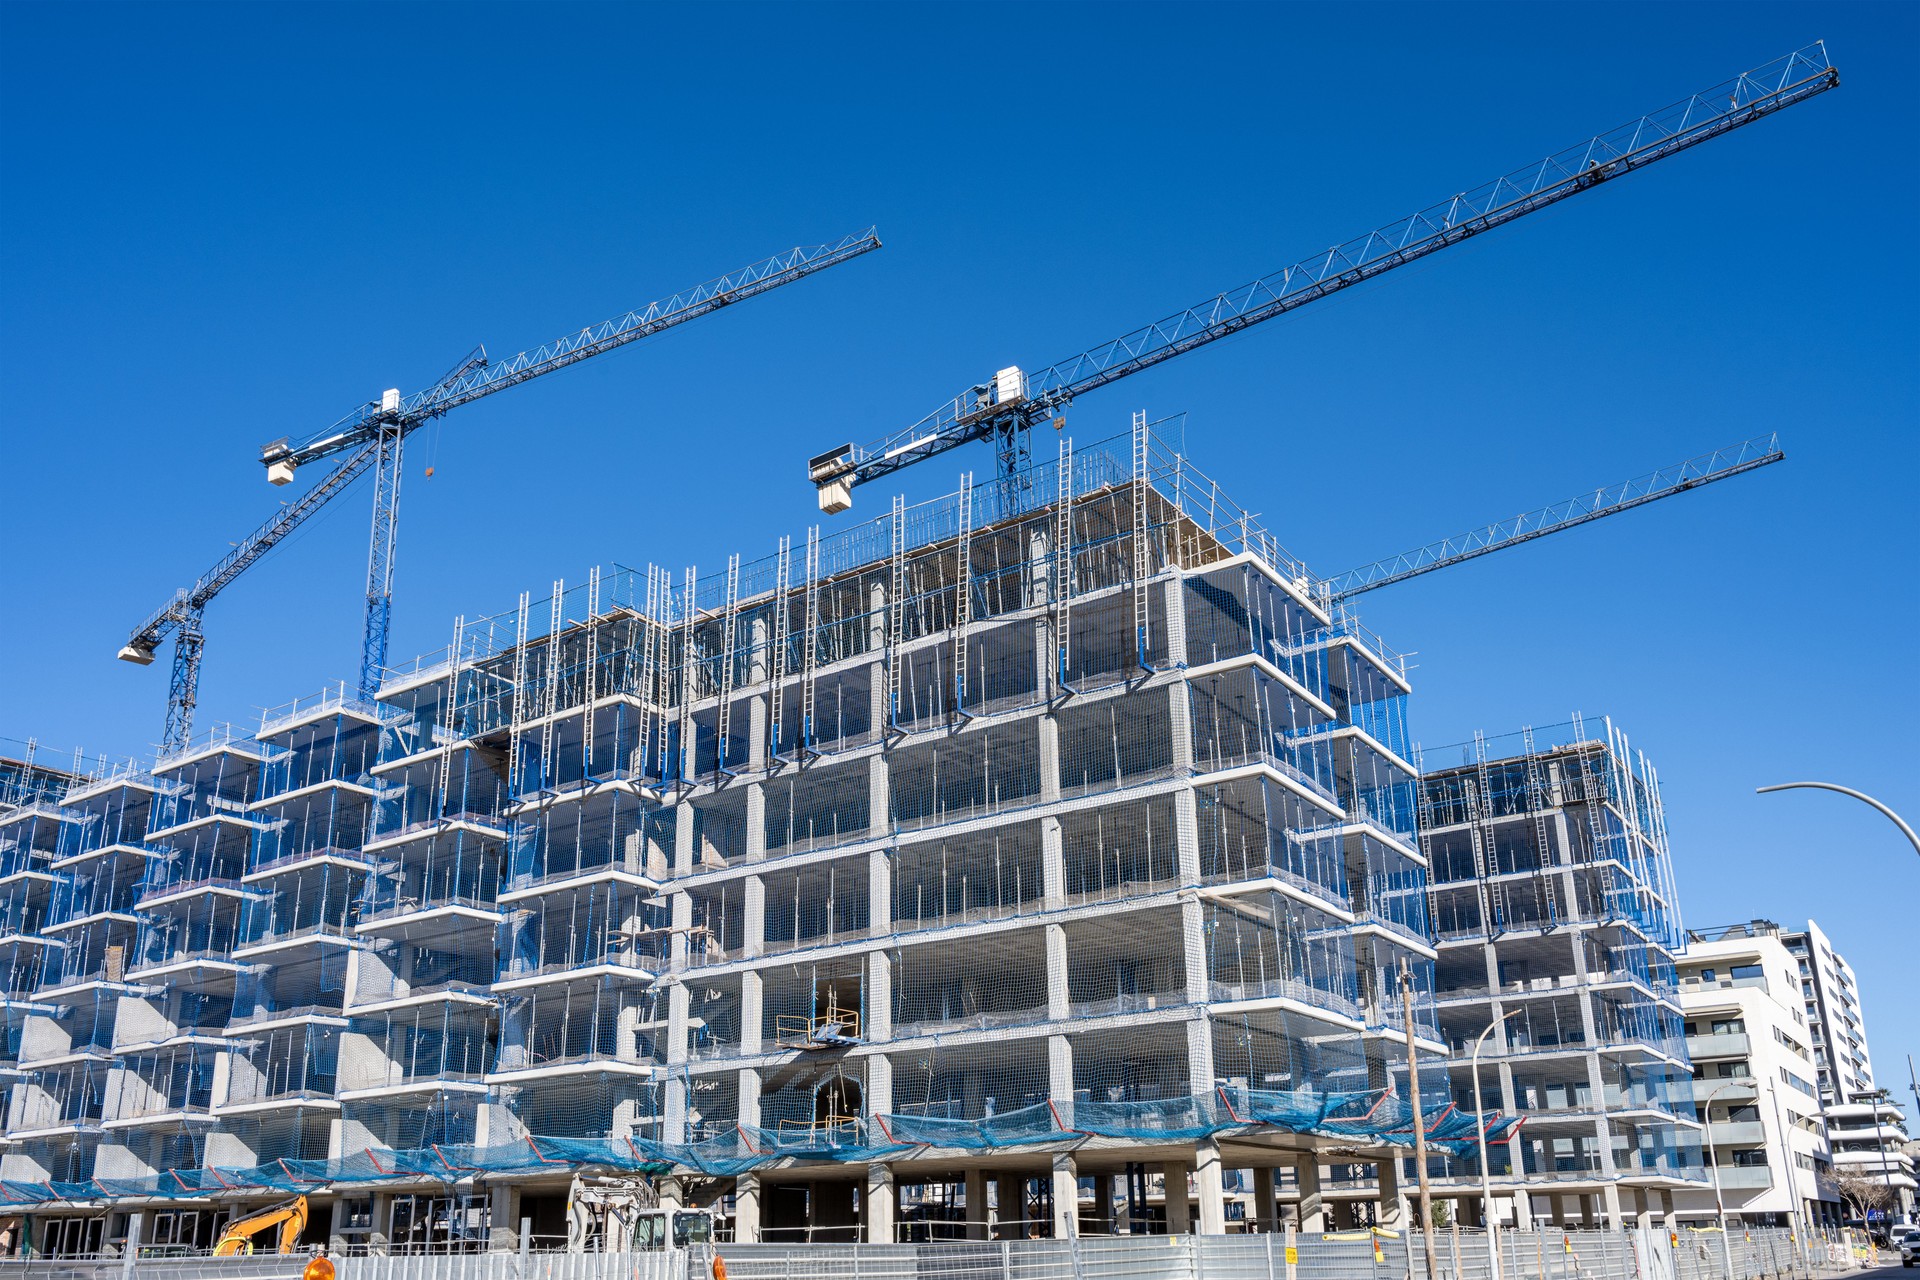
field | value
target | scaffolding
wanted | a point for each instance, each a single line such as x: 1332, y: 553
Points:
x: 1031, y: 814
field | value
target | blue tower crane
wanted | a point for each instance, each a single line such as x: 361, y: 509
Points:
x: 1004, y: 410
x: 372, y: 436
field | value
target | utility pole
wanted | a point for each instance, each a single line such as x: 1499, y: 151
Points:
x: 1419, y: 1121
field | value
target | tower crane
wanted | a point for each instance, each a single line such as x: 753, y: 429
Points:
x: 1005, y: 408
x: 1721, y: 464
x: 371, y: 437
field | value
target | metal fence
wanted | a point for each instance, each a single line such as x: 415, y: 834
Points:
x: 1460, y: 1255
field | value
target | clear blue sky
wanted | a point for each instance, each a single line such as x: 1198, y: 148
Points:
x: 227, y: 224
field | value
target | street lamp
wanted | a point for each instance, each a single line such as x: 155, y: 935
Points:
x: 1480, y: 1117
x: 1713, y: 1161
x: 1861, y: 796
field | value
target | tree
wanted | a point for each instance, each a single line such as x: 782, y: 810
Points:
x: 1862, y: 1191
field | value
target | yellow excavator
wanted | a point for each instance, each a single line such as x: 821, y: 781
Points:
x: 289, y: 1215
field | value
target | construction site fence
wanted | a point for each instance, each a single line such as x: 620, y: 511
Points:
x: 1644, y: 1254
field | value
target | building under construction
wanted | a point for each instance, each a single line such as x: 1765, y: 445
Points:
x: 1012, y: 856
x: 1556, y: 920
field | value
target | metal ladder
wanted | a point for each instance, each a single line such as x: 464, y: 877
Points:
x: 1142, y: 565
x: 963, y: 597
x: 777, y: 675
x: 729, y: 633
x: 1061, y: 592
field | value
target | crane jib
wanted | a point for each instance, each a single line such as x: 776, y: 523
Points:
x: 1673, y: 129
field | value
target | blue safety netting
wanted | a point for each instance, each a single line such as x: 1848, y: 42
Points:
x: 1375, y: 1117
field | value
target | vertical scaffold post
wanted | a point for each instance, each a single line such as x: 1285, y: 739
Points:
x: 550, y: 703
x: 896, y: 612
x: 448, y: 711
x: 1062, y: 592
x: 1537, y: 799
x: 520, y: 704
x: 810, y: 651
x: 653, y: 728
x: 782, y: 614
x: 962, y: 594
x: 1481, y: 832
x: 592, y: 692
x: 1142, y: 562
x: 729, y: 634
x: 685, y: 755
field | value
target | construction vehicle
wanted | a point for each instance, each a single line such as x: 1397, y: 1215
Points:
x: 289, y: 1215
x: 614, y: 1213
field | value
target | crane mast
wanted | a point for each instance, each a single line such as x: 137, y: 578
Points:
x: 1006, y: 407
x: 372, y: 436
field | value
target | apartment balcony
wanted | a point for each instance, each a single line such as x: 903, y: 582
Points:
x: 331, y: 856
x: 1744, y: 1178
x: 486, y: 826
x: 1737, y: 1133
x: 1732, y: 1044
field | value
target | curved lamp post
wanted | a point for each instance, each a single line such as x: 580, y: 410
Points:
x: 1861, y: 796
x: 1480, y: 1115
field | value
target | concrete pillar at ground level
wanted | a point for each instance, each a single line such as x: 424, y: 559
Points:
x: 746, y: 1208
x: 1587, y: 1210
x: 1559, y: 1204
x: 1263, y: 1213
x: 1342, y: 1215
x: 1393, y: 1203
x: 1522, y: 1211
x: 1103, y: 1203
x: 879, y: 1203
x: 1010, y: 1206
x: 976, y: 1204
x: 1206, y: 1176
x: 1312, y: 1208
x: 503, y: 1217
x: 1066, y: 1197
x: 1616, y: 1216
x: 1173, y: 1175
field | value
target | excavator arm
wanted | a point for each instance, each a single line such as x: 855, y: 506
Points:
x: 289, y: 1215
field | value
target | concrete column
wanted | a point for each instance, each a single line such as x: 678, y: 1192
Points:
x: 503, y: 1217
x: 683, y: 840
x: 752, y: 1012
x: 754, y: 846
x: 1264, y: 1212
x: 753, y: 929
x: 1642, y: 1211
x: 877, y: 1018
x: 879, y: 794
x: 1206, y: 1177
x: 880, y: 1203
x: 1060, y: 1075
x: 879, y: 1087
x: 976, y: 1204
x: 1058, y: 990
x: 880, y: 891
x: 1180, y: 719
x: 1011, y: 1207
x: 1610, y: 1194
x: 1559, y: 1204
x: 136, y: 1228
x: 681, y: 909
x: 1049, y: 732
x: 1522, y: 1211
x: 758, y: 717
x: 1066, y: 1197
x: 380, y: 1233
x: 1103, y: 1203
x: 748, y: 1109
x: 1312, y: 1207
x: 1393, y: 1202
x: 1053, y: 862
x: 1193, y: 949
x: 1186, y: 833
x: 746, y: 1208
x: 1179, y: 1204
x: 1199, y: 1055
x: 1175, y: 598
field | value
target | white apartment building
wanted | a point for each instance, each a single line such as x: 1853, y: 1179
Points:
x: 1754, y: 1080
x: 1865, y: 1127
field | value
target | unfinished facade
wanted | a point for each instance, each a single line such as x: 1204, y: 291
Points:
x: 966, y: 870
x: 1555, y: 916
